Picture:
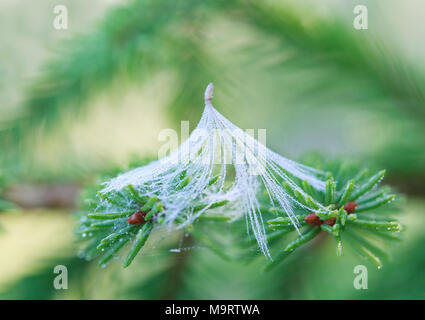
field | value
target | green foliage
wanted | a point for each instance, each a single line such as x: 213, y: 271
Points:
x: 146, y: 37
x: 112, y: 220
x: 143, y: 38
x: 359, y: 215
x: 4, y: 205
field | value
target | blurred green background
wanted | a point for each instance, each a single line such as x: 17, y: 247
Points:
x: 77, y: 102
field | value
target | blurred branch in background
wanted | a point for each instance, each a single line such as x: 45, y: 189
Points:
x: 137, y: 41
x: 134, y: 41
x: 31, y: 196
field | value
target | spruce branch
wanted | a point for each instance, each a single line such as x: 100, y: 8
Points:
x: 181, y: 187
x: 130, y: 218
x: 357, y: 217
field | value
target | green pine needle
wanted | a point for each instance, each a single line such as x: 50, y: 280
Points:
x: 357, y: 195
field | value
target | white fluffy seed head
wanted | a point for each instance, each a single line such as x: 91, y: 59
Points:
x: 243, y: 164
